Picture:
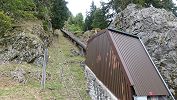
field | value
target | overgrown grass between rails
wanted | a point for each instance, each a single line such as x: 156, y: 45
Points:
x: 65, y: 58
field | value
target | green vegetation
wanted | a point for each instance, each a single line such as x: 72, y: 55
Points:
x: 89, y: 17
x: 18, y: 9
x: 99, y: 20
x: 13, y: 12
x: 60, y: 13
x: 79, y: 20
x: 75, y: 24
x: 45, y: 25
x: 5, y: 23
x: 97, y: 17
x: 101, y: 17
x: 42, y: 10
x: 65, y: 77
x: 119, y: 5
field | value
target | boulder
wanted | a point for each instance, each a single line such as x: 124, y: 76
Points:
x: 158, y: 30
x: 22, y: 48
x: 26, y: 45
x: 19, y: 75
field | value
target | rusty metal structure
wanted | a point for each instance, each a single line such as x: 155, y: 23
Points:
x: 122, y: 63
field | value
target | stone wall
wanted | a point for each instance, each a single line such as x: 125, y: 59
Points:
x: 97, y: 90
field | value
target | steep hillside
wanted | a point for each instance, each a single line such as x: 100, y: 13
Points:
x: 25, y: 32
x: 65, y: 77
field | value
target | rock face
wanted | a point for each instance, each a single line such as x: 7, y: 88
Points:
x: 158, y: 30
x: 26, y: 45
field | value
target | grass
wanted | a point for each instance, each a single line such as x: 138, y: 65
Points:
x: 65, y: 77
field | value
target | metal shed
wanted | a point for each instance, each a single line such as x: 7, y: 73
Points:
x: 123, y: 65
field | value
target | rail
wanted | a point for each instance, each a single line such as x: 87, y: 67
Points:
x: 76, y: 40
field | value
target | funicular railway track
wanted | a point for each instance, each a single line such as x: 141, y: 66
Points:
x: 75, y: 40
x: 70, y: 80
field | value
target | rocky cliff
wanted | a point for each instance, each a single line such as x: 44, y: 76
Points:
x: 158, y: 30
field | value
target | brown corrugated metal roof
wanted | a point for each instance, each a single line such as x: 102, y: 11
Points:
x: 144, y: 76
x: 98, y: 34
x: 103, y: 60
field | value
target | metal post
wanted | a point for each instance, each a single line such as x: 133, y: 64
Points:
x: 81, y: 50
x: 44, y: 69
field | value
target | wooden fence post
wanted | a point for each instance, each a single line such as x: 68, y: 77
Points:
x: 44, y: 68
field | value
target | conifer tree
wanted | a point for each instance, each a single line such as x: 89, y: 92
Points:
x: 89, y: 17
x: 79, y: 20
x: 100, y: 20
x: 60, y: 13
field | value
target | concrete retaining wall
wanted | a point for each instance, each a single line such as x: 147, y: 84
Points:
x: 97, y: 90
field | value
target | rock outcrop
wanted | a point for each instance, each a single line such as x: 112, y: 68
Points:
x: 25, y: 45
x: 158, y: 30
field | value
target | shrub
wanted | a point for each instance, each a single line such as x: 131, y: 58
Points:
x: 5, y: 23
x: 24, y: 14
x: 42, y: 11
x: 45, y: 25
x: 60, y: 14
x: 18, y: 9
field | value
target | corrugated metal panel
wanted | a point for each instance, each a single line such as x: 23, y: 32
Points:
x: 103, y: 60
x: 145, y: 78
